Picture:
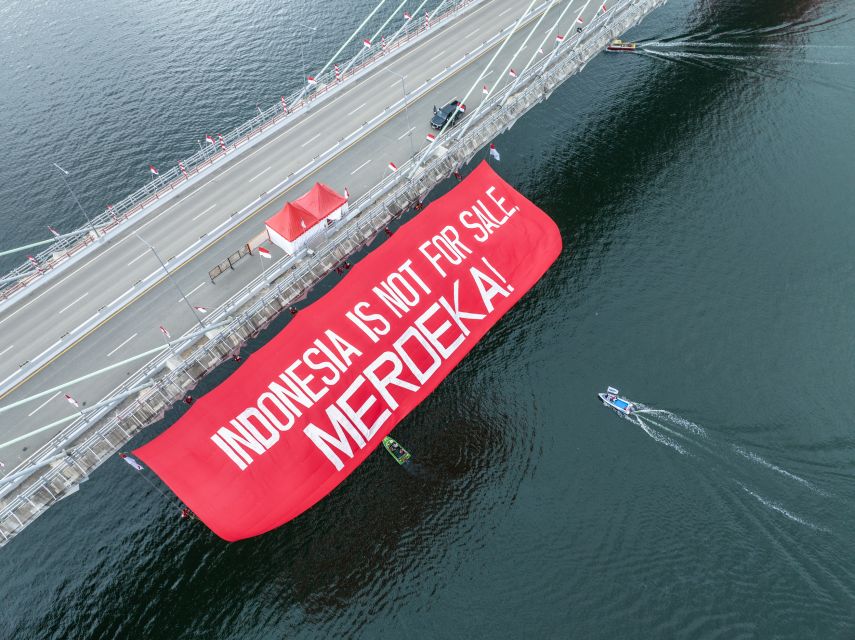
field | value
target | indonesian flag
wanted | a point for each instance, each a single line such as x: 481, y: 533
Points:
x: 603, y: 7
x: 264, y: 253
x: 494, y: 153
x: 312, y: 80
x: 72, y: 400
x: 579, y: 19
x: 222, y: 142
x: 209, y: 138
x: 512, y: 73
x: 559, y: 38
x: 153, y: 170
x: 485, y: 90
x: 430, y: 137
x: 53, y: 231
x: 407, y: 16
x: 201, y: 309
x: 366, y: 43
x: 284, y: 106
x: 183, y: 170
x: 131, y: 461
x: 35, y: 263
x: 392, y: 166
x: 346, y: 194
x: 165, y: 332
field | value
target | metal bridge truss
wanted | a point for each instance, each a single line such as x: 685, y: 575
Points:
x: 73, y: 454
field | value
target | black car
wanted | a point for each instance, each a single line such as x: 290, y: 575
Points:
x: 441, y: 116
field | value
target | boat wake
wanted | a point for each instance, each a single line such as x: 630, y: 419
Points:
x: 689, y: 438
x: 750, y: 455
x: 787, y: 514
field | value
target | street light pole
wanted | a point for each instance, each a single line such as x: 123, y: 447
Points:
x: 63, y: 173
x: 406, y: 112
x: 302, y: 60
x: 169, y: 275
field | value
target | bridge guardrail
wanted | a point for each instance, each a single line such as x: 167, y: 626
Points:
x: 66, y: 248
x: 261, y: 301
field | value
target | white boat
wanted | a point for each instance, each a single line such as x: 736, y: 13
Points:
x: 611, y: 399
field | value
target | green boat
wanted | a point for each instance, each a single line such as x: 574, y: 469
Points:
x: 395, y: 450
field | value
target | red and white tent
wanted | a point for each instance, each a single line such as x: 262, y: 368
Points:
x: 298, y: 221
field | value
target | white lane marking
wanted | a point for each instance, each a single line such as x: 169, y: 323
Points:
x: 71, y: 304
x: 204, y: 212
x: 407, y: 132
x: 192, y: 291
x: 246, y: 155
x: 504, y: 12
x: 359, y: 167
x: 261, y: 173
x: 122, y: 345
x: 233, y: 164
x: 139, y: 257
x: 469, y: 35
x: 6, y: 349
x: 350, y: 113
x: 397, y: 83
x: 42, y: 405
x: 439, y: 55
x: 310, y: 140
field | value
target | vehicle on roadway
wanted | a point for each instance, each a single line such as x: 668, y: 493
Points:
x: 441, y: 116
x: 621, y: 405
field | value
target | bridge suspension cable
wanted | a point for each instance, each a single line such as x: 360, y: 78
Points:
x: 505, y: 71
x: 346, y: 42
x: 478, y: 81
x: 555, y: 26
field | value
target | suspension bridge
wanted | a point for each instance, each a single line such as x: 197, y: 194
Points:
x: 111, y: 324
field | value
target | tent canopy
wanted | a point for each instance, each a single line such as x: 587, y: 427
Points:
x: 305, y: 212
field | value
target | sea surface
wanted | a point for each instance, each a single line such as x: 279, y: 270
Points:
x: 705, y: 190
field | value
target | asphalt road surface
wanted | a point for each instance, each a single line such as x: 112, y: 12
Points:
x: 39, y: 320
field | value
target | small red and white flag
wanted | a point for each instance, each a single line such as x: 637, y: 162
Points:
x: 346, y: 194
x: 284, y: 106
x: 165, y: 332
x: 110, y: 209
x: 209, y: 138
x: 54, y: 231
x: 512, y: 73
x: 153, y: 170
x: 183, y: 170
x: 407, y: 16
x: 603, y: 7
x: 383, y: 42
x: 427, y: 19
x: 337, y: 72
x: 131, y: 461
x: 559, y: 38
x: 430, y: 137
x: 201, y: 309
x: 366, y: 43
x: 579, y: 19
x: 222, y: 142
x: 494, y: 153
x: 393, y: 166
x: 311, y: 80
x: 485, y: 90
x: 265, y: 253
x: 35, y: 263
x: 72, y: 400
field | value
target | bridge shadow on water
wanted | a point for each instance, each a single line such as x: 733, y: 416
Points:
x: 586, y: 155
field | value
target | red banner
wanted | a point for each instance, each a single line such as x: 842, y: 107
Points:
x: 307, y: 408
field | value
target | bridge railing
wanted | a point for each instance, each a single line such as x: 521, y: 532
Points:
x: 294, y: 104
x: 256, y: 306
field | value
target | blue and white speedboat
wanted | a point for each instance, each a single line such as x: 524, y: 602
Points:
x: 611, y: 399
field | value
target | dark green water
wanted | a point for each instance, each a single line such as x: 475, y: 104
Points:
x: 705, y: 194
